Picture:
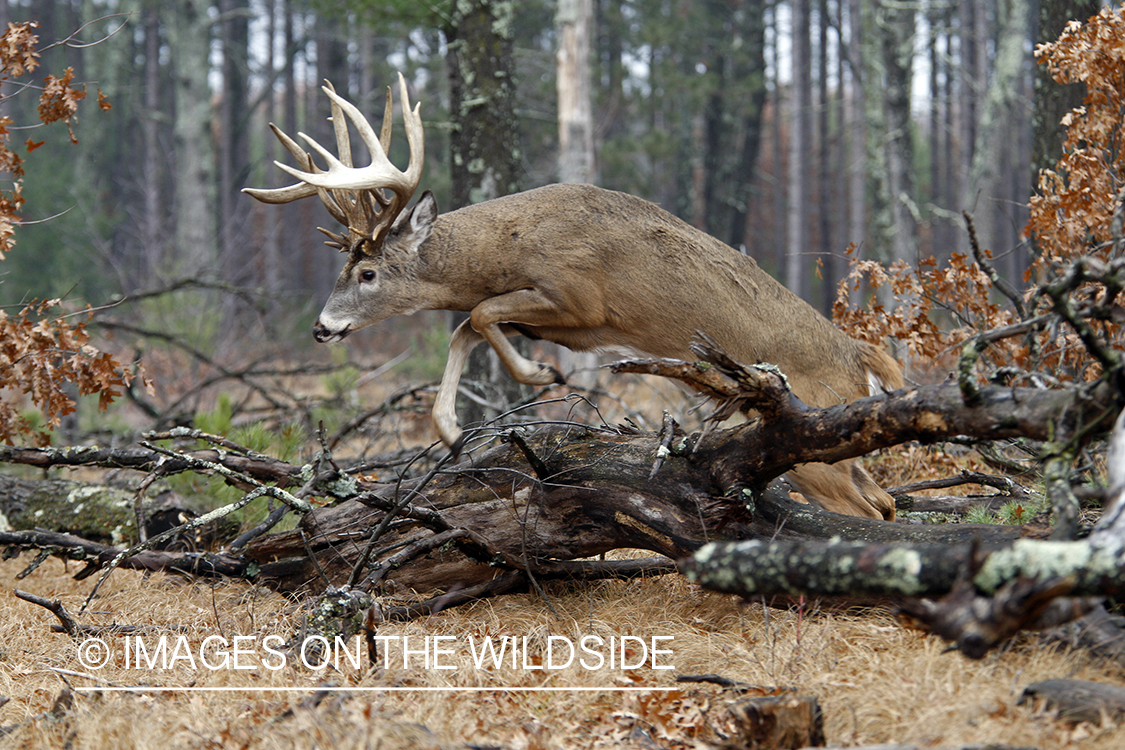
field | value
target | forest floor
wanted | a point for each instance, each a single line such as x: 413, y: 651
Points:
x: 215, y: 664
x: 876, y: 681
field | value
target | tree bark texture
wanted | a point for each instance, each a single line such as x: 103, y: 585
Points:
x: 897, y: 46
x: 189, y: 34
x: 484, y: 148
x: 485, y: 138
x: 800, y: 152
x: 988, y: 195
x: 1054, y: 100
x: 567, y: 494
x: 577, y: 163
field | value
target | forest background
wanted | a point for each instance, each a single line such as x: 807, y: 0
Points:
x: 788, y: 129
x: 878, y: 124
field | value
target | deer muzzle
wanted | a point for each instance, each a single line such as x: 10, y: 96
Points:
x: 322, y: 333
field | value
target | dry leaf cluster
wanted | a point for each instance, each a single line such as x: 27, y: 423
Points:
x: 42, y: 351
x: 1077, y: 212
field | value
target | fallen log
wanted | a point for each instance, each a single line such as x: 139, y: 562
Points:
x: 567, y: 492
x: 582, y: 493
x: 1077, y: 700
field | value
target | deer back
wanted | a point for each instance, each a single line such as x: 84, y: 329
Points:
x: 638, y: 279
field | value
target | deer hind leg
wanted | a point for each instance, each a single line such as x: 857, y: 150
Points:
x: 844, y: 487
x: 444, y: 414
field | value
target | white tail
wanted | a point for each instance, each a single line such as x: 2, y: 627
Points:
x: 579, y: 266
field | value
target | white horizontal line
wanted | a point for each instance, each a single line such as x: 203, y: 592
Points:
x: 386, y: 689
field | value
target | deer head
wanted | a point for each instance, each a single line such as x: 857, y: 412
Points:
x: 369, y: 202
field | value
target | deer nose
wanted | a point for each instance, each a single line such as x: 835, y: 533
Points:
x: 323, y: 334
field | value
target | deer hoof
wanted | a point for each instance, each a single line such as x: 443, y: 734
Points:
x: 456, y: 446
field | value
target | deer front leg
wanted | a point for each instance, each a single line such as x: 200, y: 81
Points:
x: 461, y: 345
x: 444, y: 415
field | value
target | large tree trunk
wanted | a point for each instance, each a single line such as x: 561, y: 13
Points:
x: 189, y: 34
x: 576, y: 121
x: 606, y: 502
x: 564, y: 494
x: 576, y: 137
x: 485, y: 151
x: 485, y: 138
x: 800, y: 158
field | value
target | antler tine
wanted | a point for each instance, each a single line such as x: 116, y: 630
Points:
x: 415, y: 136
x: 292, y: 192
x: 291, y: 146
x: 354, y: 195
x: 340, y: 127
x: 332, y: 202
x: 335, y: 240
x: 388, y: 122
x: 380, y: 173
x: 337, y: 201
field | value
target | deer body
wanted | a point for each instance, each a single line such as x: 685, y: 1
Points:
x: 593, y: 269
x: 589, y: 269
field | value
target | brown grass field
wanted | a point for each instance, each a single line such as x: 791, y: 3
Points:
x: 876, y: 681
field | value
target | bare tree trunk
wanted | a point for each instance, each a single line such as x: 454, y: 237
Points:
x: 751, y: 69
x: 778, y: 194
x: 1054, y: 100
x: 898, y: 55
x: 577, y: 163
x: 290, y: 244
x: 971, y: 85
x: 576, y: 127
x: 825, y: 163
x: 154, y: 218
x: 189, y: 34
x: 878, y: 187
x: 484, y: 146
x: 854, y: 111
x: 934, y: 127
x: 330, y: 32
x: 997, y: 129
x: 485, y: 139
x: 800, y: 145
x: 234, y: 142
x: 271, y: 243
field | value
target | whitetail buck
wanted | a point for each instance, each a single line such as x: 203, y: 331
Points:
x: 580, y: 266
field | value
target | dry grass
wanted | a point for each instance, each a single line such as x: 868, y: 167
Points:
x: 876, y: 681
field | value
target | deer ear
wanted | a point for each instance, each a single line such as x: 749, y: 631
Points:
x: 424, y: 213
x: 414, y: 229
x: 416, y: 226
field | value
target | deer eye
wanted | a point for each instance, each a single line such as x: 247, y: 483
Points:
x: 367, y: 276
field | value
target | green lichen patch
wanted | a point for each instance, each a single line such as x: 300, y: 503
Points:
x: 98, y: 513
x: 1038, y: 559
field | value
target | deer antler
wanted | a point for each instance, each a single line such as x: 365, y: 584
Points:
x: 355, y: 196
